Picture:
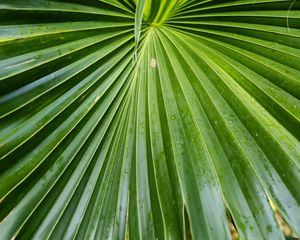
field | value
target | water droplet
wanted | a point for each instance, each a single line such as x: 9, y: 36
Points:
x: 153, y: 62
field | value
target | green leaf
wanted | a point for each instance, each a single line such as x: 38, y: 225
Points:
x: 149, y: 119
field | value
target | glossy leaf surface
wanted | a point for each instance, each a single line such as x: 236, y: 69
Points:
x: 149, y: 119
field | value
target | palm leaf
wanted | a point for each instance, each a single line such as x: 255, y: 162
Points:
x: 149, y: 119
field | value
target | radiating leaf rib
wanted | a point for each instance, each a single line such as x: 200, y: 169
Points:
x: 58, y: 168
x: 92, y: 178
x: 102, y: 156
x: 9, y: 33
x: 211, y: 195
x: 58, y: 136
x: 87, y: 157
x: 51, y: 6
x: 140, y: 6
x: 211, y: 5
x: 31, y: 91
x: 149, y: 119
x: 295, y: 204
x: 168, y: 203
x: 26, y: 62
x: 179, y: 143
